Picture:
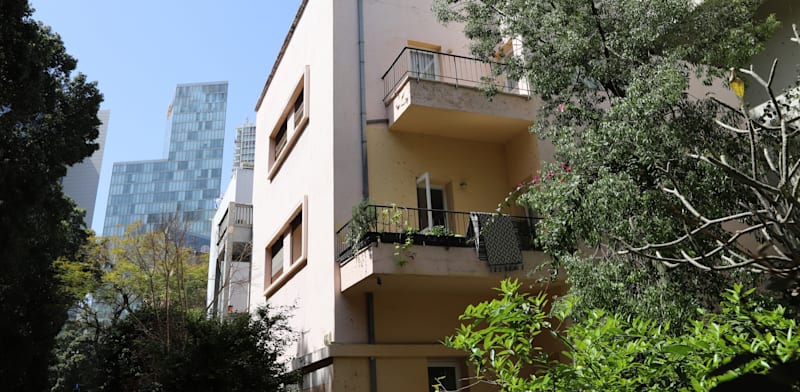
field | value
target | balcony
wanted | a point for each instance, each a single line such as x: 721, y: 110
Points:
x: 237, y: 215
x: 391, y: 247
x: 440, y: 94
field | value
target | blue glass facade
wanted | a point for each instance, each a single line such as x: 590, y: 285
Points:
x: 186, y: 184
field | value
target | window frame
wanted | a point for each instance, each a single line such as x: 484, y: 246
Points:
x: 415, y: 68
x: 294, y: 127
x: 424, y: 182
x: 291, y: 263
x: 446, y: 363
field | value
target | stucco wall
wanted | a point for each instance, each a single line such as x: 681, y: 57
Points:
x: 487, y: 170
x: 780, y: 47
x: 307, y: 171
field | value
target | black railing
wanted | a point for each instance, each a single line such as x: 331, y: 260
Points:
x: 453, y: 69
x: 426, y: 226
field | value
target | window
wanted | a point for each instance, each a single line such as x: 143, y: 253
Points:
x: 431, y: 203
x: 444, y: 374
x: 297, y: 237
x: 276, y: 259
x: 286, y: 253
x: 424, y: 64
x: 299, y: 104
x: 280, y: 139
x: 290, y: 125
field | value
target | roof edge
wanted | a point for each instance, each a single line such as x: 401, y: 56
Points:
x: 278, y: 59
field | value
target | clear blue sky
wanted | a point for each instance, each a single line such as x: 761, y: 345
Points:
x: 138, y: 51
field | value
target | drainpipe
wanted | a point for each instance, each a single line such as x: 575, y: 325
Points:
x: 362, y: 85
x: 362, y: 97
x: 373, y: 366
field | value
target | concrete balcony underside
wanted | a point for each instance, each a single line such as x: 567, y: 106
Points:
x: 463, y: 112
x: 429, y: 269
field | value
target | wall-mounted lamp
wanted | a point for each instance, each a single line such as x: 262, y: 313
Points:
x: 463, y: 185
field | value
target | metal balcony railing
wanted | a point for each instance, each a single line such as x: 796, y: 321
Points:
x: 428, y: 226
x: 452, y: 69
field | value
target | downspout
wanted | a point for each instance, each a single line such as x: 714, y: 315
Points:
x: 362, y: 101
x: 373, y: 367
x: 362, y: 96
x: 362, y: 85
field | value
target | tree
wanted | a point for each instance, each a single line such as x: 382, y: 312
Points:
x: 745, y: 341
x: 614, y: 76
x: 238, y: 353
x: 48, y: 121
x: 144, y: 327
x: 769, y: 175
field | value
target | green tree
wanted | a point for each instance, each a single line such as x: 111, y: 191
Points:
x: 48, y: 121
x: 611, y: 352
x: 614, y: 79
x: 238, y: 353
x: 144, y: 327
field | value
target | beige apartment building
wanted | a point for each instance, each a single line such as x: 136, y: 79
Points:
x: 376, y: 100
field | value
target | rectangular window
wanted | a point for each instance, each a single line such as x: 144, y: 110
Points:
x: 299, y: 105
x: 444, y: 375
x: 431, y: 203
x: 297, y: 237
x: 286, y: 252
x: 424, y: 64
x: 280, y: 139
x: 276, y: 258
x: 289, y: 126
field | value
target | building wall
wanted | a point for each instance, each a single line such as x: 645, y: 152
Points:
x: 240, y: 190
x: 324, y: 168
x: 81, y: 180
x: 779, y: 47
x: 306, y: 173
x: 476, y: 176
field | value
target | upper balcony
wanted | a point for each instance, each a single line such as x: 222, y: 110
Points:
x: 399, y: 248
x: 237, y: 215
x: 441, y: 94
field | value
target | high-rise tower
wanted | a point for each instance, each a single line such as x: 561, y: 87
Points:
x: 81, y: 180
x: 185, y: 185
x: 244, y: 154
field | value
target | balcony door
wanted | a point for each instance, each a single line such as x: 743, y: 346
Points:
x: 431, y: 203
x: 424, y: 64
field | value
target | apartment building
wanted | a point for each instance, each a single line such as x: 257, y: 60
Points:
x: 231, y: 247
x: 376, y: 100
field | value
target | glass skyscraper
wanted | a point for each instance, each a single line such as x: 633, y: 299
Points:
x: 185, y: 185
x: 244, y: 155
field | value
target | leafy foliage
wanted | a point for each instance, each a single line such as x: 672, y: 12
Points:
x: 48, y: 121
x: 144, y: 327
x: 234, y: 354
x: 611, y: 352
x: 614, y: 78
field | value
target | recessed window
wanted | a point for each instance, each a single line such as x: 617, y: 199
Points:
x: 296, y: 235
x: 290, y: 125
x: 424, y: 64
x: 444, y: 375
x: 431, y: 202
x: 276, y: 259
x: 280, y: 139
x: 286, y: 250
